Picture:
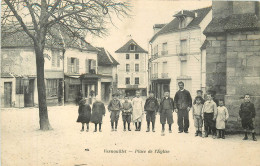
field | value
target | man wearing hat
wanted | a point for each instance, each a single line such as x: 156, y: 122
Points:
x: 114, y: 107
x: 166, y: 110
x: 151, y: 107
x: 183, y: 103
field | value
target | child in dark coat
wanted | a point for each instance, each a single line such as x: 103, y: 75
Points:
x: 126, y: 113
x: 151, y: 106
x: 98, y: 111
x: 166, y: 110
x: 84, y: 114
x: 114, y: 107
x: 247, y: 115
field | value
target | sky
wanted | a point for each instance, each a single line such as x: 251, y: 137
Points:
x: 144, y: 14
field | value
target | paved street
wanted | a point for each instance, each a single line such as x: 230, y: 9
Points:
x: 22, y: 142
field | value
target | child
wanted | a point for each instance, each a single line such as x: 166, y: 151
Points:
x: 199, y: 93
x: 151, y: 107
x: 166, y: 110
x: 222, y: 117
x: 84, y: 114
x: 247, y: 115
x: 138, y: 111
x: 197, y: 115
x: 209, y: 113
x: 126, y: 113
x: 114, y: 107
x: 98, y: 111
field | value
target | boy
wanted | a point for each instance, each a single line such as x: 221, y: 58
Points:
x: 114, y: 107
x: 247, y: 115
x: 166, y: 109
x: 151, y: 107
x: 197, y: 115
x: 126, y: 113
x: 199, y: 93
x: 209, y: 113
x: 138, y: 111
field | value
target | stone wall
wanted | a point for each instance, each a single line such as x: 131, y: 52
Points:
x: 243, y: 73
x: 216, y: 65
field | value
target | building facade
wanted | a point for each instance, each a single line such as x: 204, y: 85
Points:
x: 233, y: 56
x: 132, y: 69
x: 107, y: 71
x: 18, y: 72
x: 175, y: 53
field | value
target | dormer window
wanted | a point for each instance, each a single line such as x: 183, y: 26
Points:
x: 182, y: 23
x: 132, y: 47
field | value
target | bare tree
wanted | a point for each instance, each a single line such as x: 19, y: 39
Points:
x: 38, y: 19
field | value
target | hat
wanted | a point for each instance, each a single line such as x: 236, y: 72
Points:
x: 167, y: 90
x: 115, y: 94
x: 199, y: 91
x: 151, y: 91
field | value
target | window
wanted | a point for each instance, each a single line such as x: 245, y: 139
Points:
x: 127, y: 68
x: 164, y: 49
x: 183, y: 23
x: 136, y: 56
x: 136, y: 67
x: 132, y: 47
x: 127, y: 80
x: 55, y: 61
x: 127, y: 56
x: 19, y: 85
x: 52, y: 87
x: 183, y: 47
x: 183, y: 68
x: 136, y: 80
x: 164, y: 67
x: 92, y: 66
x: 73, y: 65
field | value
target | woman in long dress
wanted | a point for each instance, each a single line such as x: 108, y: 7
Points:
x: 138, y: 111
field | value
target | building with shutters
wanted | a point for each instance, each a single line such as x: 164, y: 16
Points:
x: 18, y: 71
x: 175, y: 53
x: 107, y: 71
x: 132, y: 69
x: 80, y: 69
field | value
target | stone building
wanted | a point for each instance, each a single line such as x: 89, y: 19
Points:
x: 175, y: 52
x: 132, y: 71
x: 233, y: 55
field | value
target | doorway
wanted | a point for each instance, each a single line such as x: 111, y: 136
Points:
x: 29, y: 94
x: 8, y: 94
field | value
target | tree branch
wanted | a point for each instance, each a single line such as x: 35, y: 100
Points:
x: 20, y: 20
x: 32, y: 15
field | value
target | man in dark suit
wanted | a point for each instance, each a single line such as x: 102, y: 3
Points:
x: 182, y: 105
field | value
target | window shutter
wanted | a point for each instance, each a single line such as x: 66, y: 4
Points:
x: 58, y: 59
x: 77, y: 65
x: 94, y: 65
x: 69, y: 65
x: 87, y: 66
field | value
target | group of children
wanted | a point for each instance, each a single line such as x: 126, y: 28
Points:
x: 210, y: 113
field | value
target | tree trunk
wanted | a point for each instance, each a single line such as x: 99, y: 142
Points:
x: 43, y: 112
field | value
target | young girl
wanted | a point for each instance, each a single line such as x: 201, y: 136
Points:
x: 222, y: 117
x: 84, y: 114
x: 98, y: 111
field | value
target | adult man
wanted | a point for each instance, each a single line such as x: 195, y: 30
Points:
x: 151, y: 107
x: 182, y: 104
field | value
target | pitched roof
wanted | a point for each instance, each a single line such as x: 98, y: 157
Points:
x: 247, y: 21
x: 105, y: 58
x: 6, y: 75
x: 174, y: 24
x: 204, y: 45
x: 21, y: 39
x: 126, y: 48
x: 185, y: 13
x: 158, y: 25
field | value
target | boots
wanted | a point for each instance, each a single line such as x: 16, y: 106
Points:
x: 197, y: 133
x: 87, y: 127
x: 223, y: 134
x: 153, y: 126
x: 139, y: 127
x: 129, y: 127
x: 162, y: 134
x: 170, y: 128
x: 82, y: 129
x: 124, y: 125
x: 219, y: 133
x: 95, y: 127
x: 136, y: 127
x: 100, y: 127
x: 245, y: 138
x: 200, y: 133
x: 148, y: 127
x: 253, y: 135
x: 112, y: 126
